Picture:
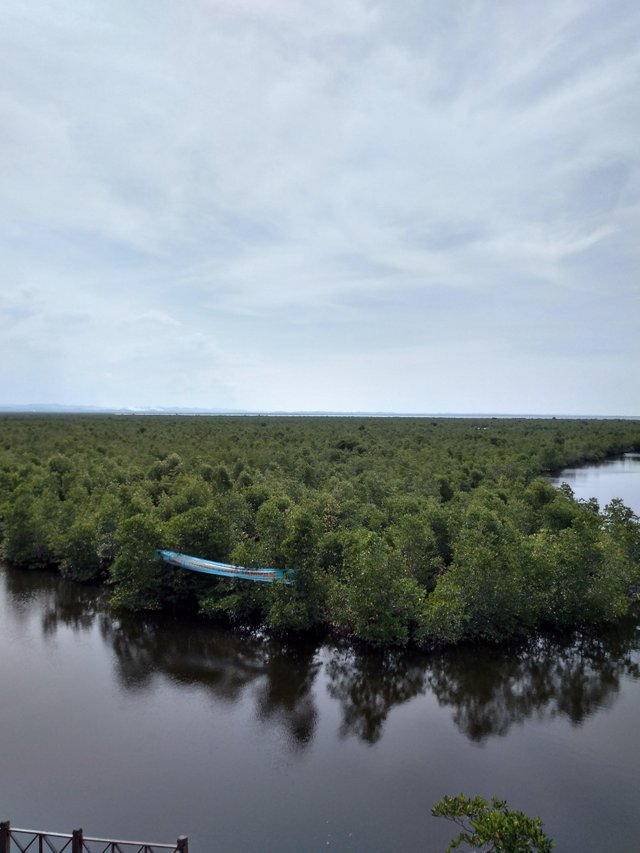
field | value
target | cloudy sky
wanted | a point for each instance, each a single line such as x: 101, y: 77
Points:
x: 375, y: 205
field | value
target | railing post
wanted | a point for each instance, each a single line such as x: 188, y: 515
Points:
x: 76, y: 841
x: 5, y: 836
x: 182, y: 846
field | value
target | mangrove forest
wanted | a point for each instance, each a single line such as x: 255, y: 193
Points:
x: 423, y: 530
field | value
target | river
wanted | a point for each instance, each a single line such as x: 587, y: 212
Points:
x: 151, y: 728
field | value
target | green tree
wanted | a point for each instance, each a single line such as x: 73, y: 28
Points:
x: 583, y: 581
x: 623, y: 528
x: 221, y: 478
x: 417, y: 548
x: 27, y: 533
x: 493, y: 828
x: 62, y: 473
x: 271, y: 527
x: 137, y: 575
x: 374, y: 600
x: 201, y: 531
x: 300, y: 605
x: 486, y: 592
x: 79, y: 546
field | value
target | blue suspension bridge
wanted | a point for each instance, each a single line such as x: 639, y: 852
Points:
x: 225, y: 570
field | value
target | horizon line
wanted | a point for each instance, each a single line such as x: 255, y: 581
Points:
x: 53, y: 408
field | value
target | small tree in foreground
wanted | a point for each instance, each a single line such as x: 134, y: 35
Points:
x: 493, y: 828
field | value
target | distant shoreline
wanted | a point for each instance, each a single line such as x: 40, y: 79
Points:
x: 53, y: 409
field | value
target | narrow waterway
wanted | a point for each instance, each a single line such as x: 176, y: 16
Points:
x: 151, y: 728
x: 617, y: 478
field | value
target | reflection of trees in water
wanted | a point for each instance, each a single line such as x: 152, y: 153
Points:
x: 225, y: 663
x: 489, y: 688
x: 285, y: 694
x: 568, y: 676
x: 67, y: 608
x: 368, y: 685
x: 55, y: 600
x: 146, y: 647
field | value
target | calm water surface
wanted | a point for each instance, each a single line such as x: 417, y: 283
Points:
x: 152, y: 728
x: 619, y: 478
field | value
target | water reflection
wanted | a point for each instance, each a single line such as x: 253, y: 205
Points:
x: 285, y: 694
x: 570, y: 676
x: 226, y: 664
x: 488, y: 689
x: 369, y: 685
x: 57, y: 601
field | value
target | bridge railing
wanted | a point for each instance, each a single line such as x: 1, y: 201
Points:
x: 14, y: 840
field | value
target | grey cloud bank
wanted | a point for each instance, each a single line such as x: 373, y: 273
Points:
x: 336, y: 206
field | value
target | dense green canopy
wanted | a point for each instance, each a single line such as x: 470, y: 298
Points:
x: 417, y: 528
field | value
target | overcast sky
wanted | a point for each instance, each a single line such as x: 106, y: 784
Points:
x: 375, y: 205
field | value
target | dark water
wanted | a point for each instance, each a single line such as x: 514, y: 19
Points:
x: 152, y: 728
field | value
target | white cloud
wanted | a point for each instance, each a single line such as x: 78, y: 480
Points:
x: 247, y: 179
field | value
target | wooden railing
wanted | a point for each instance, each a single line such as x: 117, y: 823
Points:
x: 14, y: 840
